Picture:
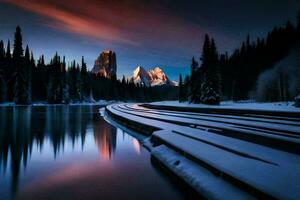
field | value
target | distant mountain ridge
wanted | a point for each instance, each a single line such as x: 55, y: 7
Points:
x: 153, y: 77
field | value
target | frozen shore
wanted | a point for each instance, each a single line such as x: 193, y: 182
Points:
x: 221, y: 156
x: 248, y: 105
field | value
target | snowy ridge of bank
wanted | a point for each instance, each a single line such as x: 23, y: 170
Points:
x: 272, y: 106
x: 246, y: 168
x: 199, y: 178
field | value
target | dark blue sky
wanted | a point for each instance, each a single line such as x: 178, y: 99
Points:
x: 150, y: 33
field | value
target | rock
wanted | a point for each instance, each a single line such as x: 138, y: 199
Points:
x: 106, y: 64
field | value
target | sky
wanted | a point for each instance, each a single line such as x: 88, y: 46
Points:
x: 165, y: 33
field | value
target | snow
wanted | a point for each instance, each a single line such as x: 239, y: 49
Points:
x: 227, y: 124
x: 203, y: 181
x: 99, y: 102
x: 7, y: 104
x: 159, y: 124
x: 141, y: 76
x: 267, y: 169
x: 267, y: 177
x: 134, y: 134
x: 175, y: 83
x: 214, y: 117
x: 246, y: 148
x: 297, y: 101
x: 157, y: 74
x: 274, y: 106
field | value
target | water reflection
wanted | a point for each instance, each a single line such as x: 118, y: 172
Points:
x: 106, y: 138
x: 137, y: 145
x: 69, y: 152
x: 23, y: 129
x: 16, y: 140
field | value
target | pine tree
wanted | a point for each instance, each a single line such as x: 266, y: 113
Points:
x: 75, y: 82
x: 42, y: 61
x: 78, y: 84
x: 194, y: 86
x: 186, y: 92
x: 122, y: 93
x: 50, y: 90
x: 210, y: 88
x: 85, y: 83
x: 66, y: 94
x: 9, y: 73
x: 21, y: 95
x: 40, y: 80
x: 206, y: 52
x: 180, y: 92
x: 8, y: 53
x: 28, y: 73
x: 71, y: 80
x: 55, y: 84
x: 34, y: 78
x: 215, y: 73
x: 196, y: 79
x: 2, y: 69
x: 18, y: 49
x: 2, y: 51
x: 298, y: 28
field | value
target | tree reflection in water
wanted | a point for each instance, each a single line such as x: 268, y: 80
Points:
x: 21, y: 128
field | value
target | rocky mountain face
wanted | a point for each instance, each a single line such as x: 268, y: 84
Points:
x: 106, y: 64
x: 153, y: 77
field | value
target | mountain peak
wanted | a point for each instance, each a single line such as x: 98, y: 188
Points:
x: 139, y: 68
x: 106, y: 64
x: 157, y: 69
x: 154, y: 77
x: 140, y: 75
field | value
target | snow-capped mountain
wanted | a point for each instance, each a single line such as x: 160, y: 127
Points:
x: 141, y: 76
x: 153, y: 77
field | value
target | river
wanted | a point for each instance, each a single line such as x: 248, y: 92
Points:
x: 70, y: 152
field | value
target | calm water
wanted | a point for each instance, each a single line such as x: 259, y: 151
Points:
x: 70, y: 152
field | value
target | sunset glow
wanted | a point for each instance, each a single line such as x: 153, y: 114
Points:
x: 147, y: 33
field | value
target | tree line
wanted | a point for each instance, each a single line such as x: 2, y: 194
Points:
x: 24, y: 80
x: 234, y: 77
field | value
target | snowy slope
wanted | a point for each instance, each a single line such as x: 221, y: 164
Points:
x: 141, y: 76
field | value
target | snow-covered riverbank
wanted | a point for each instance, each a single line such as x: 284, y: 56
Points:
x: 240, y: 156
x: 272, y: 106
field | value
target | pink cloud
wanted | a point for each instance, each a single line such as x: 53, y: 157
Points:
x: 134, y: 22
